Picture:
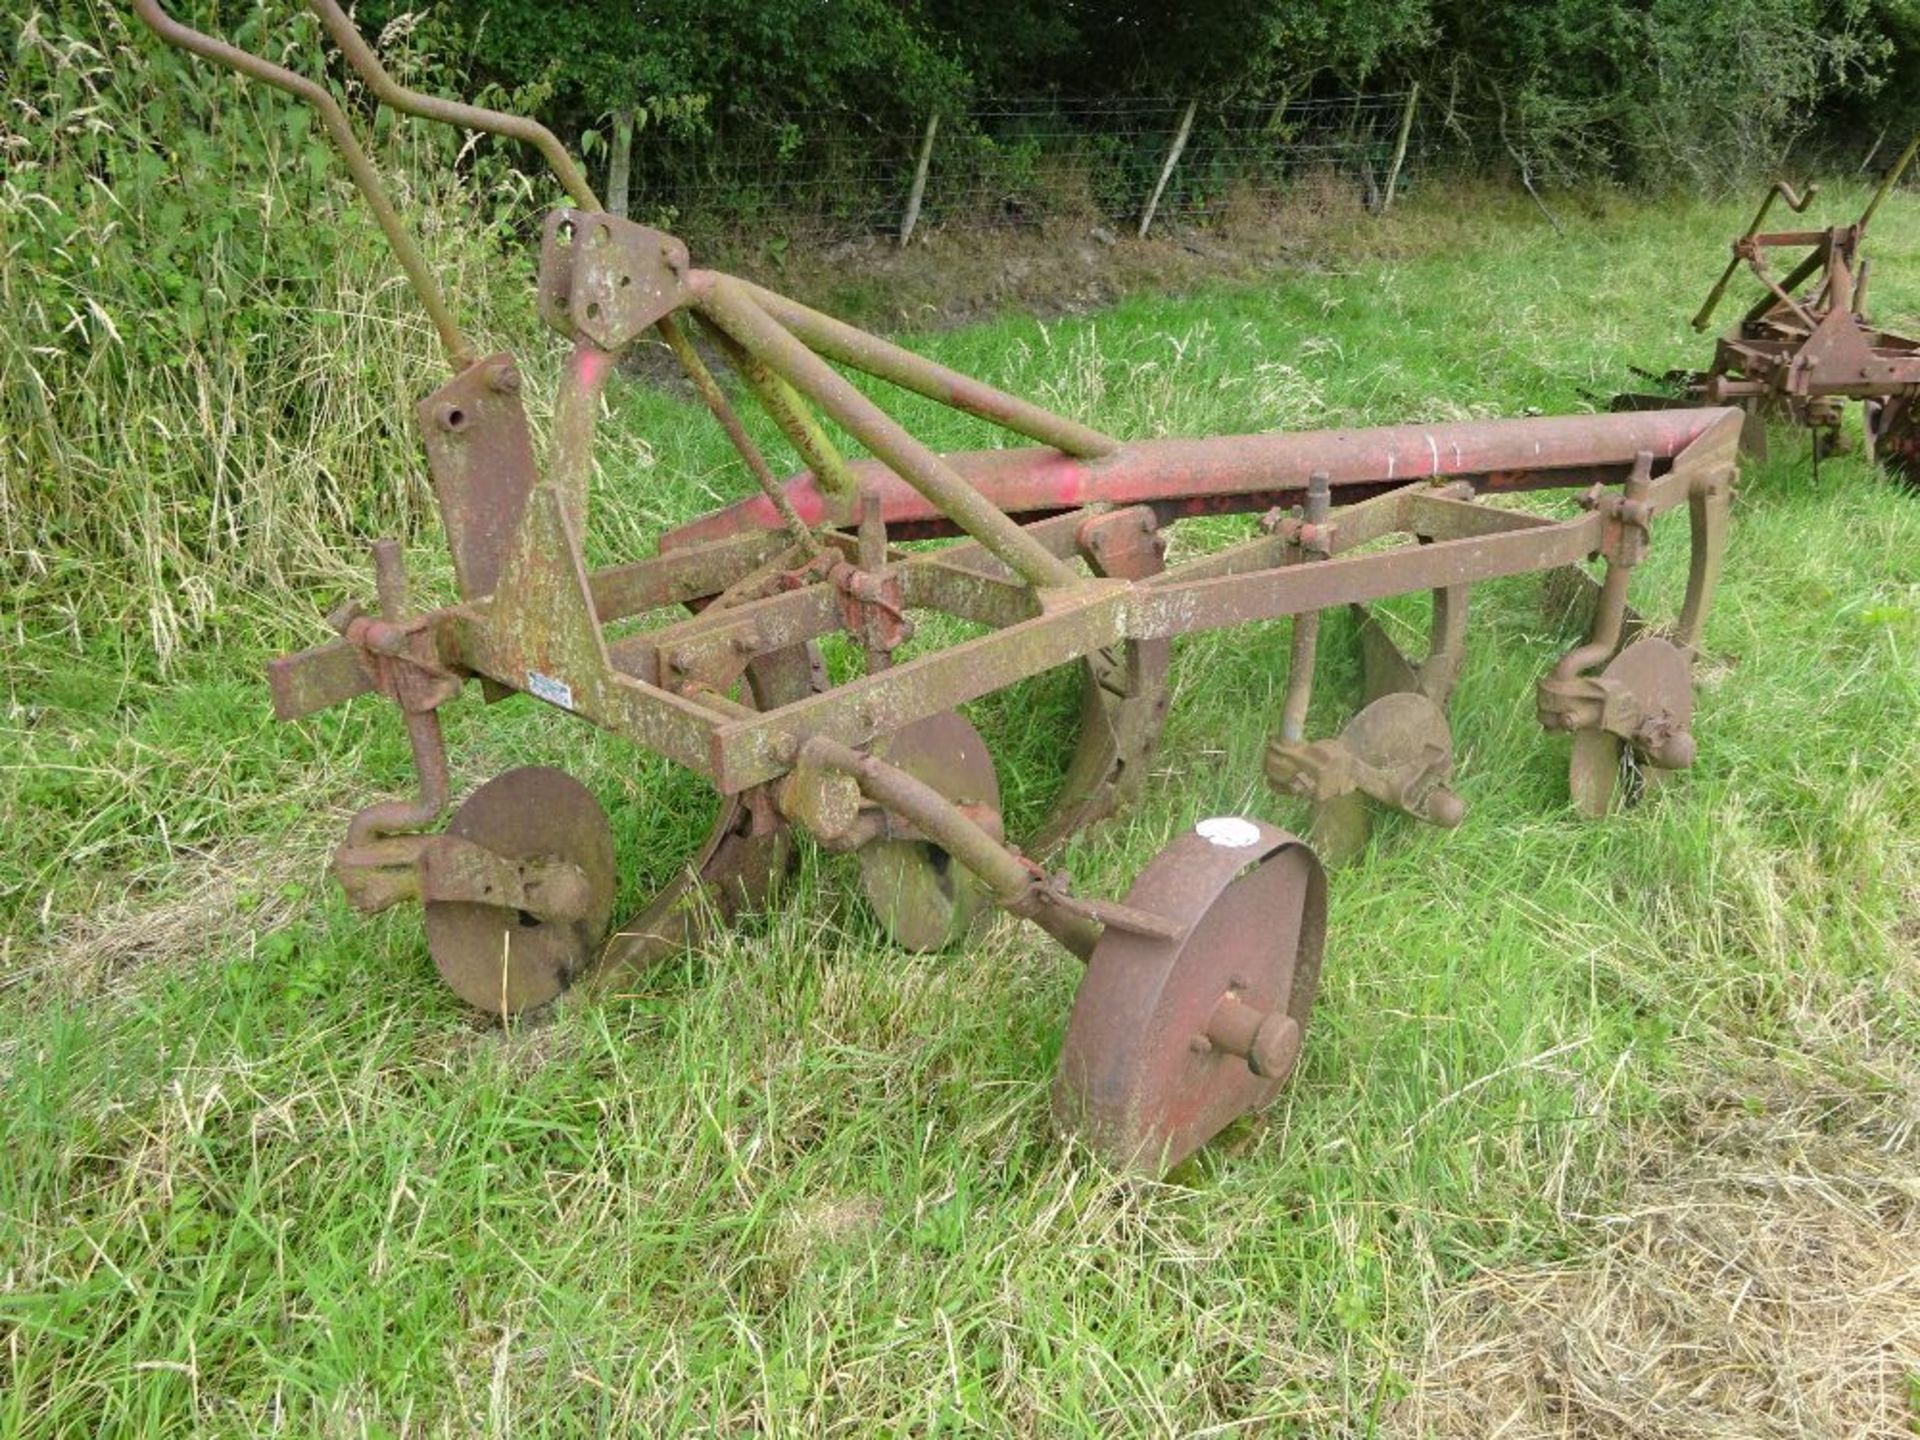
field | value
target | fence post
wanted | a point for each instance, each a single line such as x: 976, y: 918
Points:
x: 620, y: 163
x: 1400, y: 147
x: 1166, y: 170
x: 912, y: 217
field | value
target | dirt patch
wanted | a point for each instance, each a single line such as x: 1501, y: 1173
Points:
x: 1763, y: 1281
x: 1066, y: 264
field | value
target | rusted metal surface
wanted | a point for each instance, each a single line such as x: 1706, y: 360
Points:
x: 1194, y: 1007
x: 871, y: 355
x: 743, y: 857
x: 1173, y: 1038
x: 1806, y: 346
x: 608, y: 280
x: 1641, y: 703
x: 1397, y: 752
x: 1893, y: 435
x: 1238, y: 473
x: 1124, y: 698
x: 514, y: 950
x: 733, y: 309
x: 481, y: 460
x: 921, y: 896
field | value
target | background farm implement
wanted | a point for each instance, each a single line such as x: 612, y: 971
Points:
x: 1806, y: 347
x: 1199, y: 983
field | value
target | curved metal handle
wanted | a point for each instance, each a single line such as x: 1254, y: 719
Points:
x: 1780, y: 190
x: 389, y: 91
x: 365, y: 178
x: 1796, y: 202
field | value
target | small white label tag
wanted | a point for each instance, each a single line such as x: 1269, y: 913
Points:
x: 1229, y: 832
x: 554, y: 692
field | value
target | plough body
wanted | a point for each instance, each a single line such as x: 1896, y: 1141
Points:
x: 1199, y: 983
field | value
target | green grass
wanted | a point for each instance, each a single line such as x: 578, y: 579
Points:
x: 262, y: 1173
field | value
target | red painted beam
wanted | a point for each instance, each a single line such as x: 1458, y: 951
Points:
x: 1245, y: 472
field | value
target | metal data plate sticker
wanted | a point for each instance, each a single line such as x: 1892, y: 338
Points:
x: 554, y: 692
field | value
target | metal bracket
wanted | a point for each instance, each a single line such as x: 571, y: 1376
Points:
x: 1397, y: 752
x: 481, y: 460
x: 1650, y: 723
x: 380, y: 873
x: 1629, y: 528
x: 607, y: 279
x: 1127, y: 544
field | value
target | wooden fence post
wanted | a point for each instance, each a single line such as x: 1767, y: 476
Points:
x: 1400, y: 147
x: 912, y: 217
x: 1166, y: 170
x: 620, y: 163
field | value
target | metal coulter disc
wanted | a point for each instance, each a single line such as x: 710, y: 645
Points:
x: 1139, y: 1082
x: 1660, y: 676
x: 504, y: 960
x: 922, y: 896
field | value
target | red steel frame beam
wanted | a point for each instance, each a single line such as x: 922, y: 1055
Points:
x: 1244, y: 472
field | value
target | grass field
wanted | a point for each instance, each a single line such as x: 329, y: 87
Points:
x: 1602, y: 1129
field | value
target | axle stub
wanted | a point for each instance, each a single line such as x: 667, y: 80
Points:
x: 1175, y: 1036
x: 924, y: 898
x: 506, y: 958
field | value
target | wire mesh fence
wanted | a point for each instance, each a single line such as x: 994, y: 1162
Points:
x: 1023, y: 162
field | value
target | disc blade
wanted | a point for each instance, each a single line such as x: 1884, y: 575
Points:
x: 504, y: 960
x: 743, y: 858
x: 1123, y: 708
x: 922, y: 897
x: 1384, y: 666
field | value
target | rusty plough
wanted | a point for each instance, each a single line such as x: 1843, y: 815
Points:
x: 1198, y: 985
x: 1806, y: 347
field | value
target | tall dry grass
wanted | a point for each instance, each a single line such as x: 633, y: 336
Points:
x: 208, y: 358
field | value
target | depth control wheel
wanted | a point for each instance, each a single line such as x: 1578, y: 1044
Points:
x: 1172, y: 1039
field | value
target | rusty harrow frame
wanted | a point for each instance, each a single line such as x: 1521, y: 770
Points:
x: 1805, y: 347
x: 1198, y: 985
